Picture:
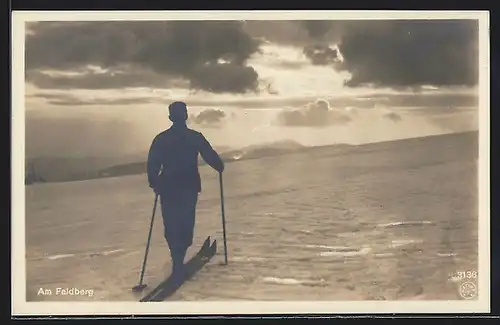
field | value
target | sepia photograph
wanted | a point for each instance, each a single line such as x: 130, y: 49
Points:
x: 250, y: 162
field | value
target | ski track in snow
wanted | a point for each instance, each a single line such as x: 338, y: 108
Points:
x: 388, y: 221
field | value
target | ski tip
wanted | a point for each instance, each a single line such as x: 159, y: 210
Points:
x: 206, y: 243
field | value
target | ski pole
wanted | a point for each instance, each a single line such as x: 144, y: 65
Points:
x: 141, y: 286
x: 223, y: 216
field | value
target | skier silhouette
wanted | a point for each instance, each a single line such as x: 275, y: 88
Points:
x: 173, y: 174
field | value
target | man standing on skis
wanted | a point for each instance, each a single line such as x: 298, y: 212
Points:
x: 173, y: 174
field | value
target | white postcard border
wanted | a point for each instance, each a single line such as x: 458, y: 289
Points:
x: 21, y: 307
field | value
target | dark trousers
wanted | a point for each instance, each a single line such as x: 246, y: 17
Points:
x: 179, y: 214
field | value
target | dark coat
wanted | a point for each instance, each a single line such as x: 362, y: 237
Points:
x: 173, y: 160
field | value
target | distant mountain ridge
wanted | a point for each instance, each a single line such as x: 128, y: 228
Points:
x: 249, y: 152
x: 72, y: 169
x: 57, y: 169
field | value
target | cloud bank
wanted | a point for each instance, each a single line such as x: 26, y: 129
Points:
x: 211, y: 55
x: 320, y: 114
x: 391, y: 53
x: 411, y: 53
x: 402, y: 53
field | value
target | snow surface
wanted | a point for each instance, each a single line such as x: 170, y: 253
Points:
x: 382, y: 221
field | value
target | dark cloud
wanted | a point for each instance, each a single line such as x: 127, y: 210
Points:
x: 400, y: 54
x: 226, y: 77
x: 321, y: 54
x: 198, y: 51
x: 317, y: 29
x: 212, y: 55
x: 316, y: 37
x: 285, y: 32
x: 293, y: 32
x: 317, y: 114
x: 412, y: 53
x: 209, y: 117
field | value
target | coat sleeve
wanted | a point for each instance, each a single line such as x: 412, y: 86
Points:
x: 153, y: 163
x: 209, y: 155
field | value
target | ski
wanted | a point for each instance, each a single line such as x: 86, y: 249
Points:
x: 196, y: 263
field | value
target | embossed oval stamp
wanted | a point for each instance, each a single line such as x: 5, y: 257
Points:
x: 468, y: 290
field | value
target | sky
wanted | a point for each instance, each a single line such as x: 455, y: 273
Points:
x: 103, y: 88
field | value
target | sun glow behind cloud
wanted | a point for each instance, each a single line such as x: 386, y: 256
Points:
x: 291, y: 74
